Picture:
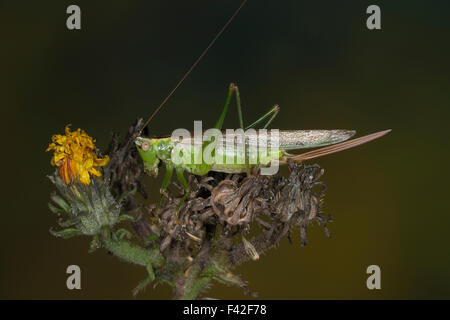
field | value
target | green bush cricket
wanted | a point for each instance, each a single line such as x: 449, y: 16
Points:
x: 160, y: 150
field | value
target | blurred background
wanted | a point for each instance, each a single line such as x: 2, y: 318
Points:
x: 316, y: 59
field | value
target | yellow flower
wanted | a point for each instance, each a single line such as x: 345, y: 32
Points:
x: 75, y: 157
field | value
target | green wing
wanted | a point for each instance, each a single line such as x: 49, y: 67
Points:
x: 288, y: 139
x: 303, y: 139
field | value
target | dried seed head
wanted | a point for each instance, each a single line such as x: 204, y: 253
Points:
x: 250, y: 249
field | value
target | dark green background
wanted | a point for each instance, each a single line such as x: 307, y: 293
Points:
x: 317, y: 59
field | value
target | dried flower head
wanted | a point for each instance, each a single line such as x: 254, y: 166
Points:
x: 75, y: 156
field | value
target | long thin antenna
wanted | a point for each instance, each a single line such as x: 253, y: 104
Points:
x: 194, y: 65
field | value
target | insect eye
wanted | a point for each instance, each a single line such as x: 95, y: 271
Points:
x: 145, y: 146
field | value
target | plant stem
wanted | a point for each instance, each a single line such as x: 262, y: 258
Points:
x: 132, y: 253
x: 194, y: 284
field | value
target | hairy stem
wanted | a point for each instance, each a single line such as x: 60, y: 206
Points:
x: 132, y: 253
x: 194, y: 284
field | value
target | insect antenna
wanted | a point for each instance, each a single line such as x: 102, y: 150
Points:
x: 193, y: 65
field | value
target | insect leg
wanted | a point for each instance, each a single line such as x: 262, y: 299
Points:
x: 205, y: 168
x: 232, y: 89
x: 184, y: 183
x: 166, y: 181
x: 241, y: 124
x: 273, y: 112
x: 238, y: 104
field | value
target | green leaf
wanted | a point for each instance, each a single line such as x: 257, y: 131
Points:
x: 151, y: 238
x: 123, y: 234
x: 69, y: 222
x: 126, y: 194
x: 125, y: 217
x: 55, y: 209
x: 61, y: 202
x: 66, y: 233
